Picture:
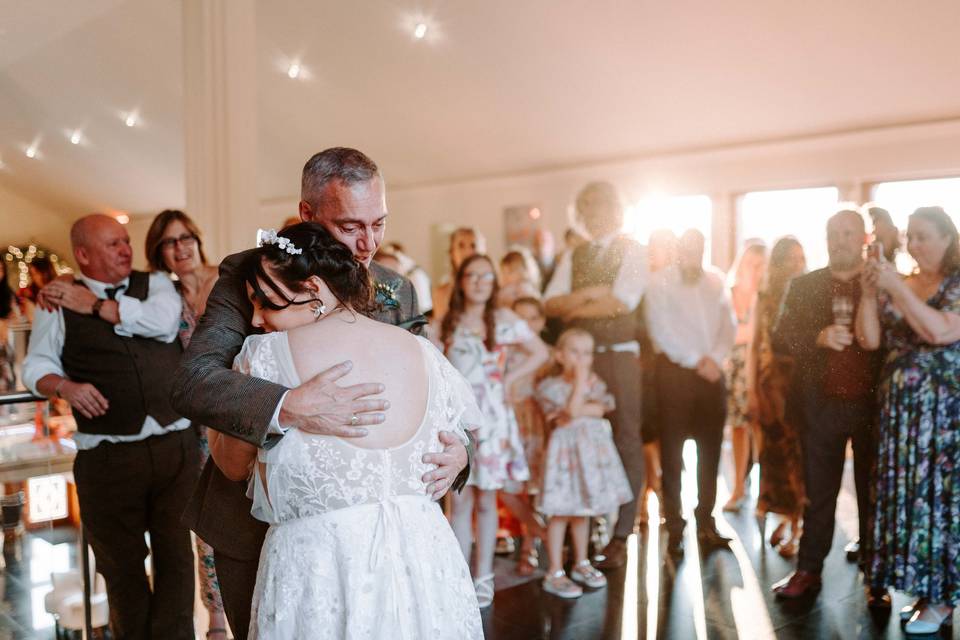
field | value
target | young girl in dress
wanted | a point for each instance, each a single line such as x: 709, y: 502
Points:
x: 475, y: 337
x: 583, y: 474
x: 530, y: 420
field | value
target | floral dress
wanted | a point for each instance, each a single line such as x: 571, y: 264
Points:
x: 530, y: 420
x: 209, y: 584
x: 583, y: 474
x: 499, y: 461
x: 780, y: 453
x: 916, y: 528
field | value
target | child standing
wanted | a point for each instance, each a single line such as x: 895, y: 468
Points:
x: 475, y: 335
x: 583, y: 474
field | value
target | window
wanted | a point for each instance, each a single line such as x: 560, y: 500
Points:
x: 676, y: 213
x: 903, y: 197
x: 802, y: 213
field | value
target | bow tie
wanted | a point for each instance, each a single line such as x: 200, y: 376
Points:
x: 113, y: 292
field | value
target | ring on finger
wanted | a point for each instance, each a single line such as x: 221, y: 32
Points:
x: 354, y: 420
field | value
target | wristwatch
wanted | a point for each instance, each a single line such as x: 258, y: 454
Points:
x: 95, y: 310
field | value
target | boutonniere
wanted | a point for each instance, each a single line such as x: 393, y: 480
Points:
x: 385, y: 294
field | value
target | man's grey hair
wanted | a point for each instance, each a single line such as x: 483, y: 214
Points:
x: 338, y: 163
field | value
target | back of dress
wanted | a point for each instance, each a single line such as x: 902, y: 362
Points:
x: 356, y: 546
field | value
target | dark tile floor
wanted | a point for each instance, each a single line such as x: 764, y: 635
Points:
x: 724, y: 595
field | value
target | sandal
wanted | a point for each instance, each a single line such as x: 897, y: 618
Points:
x: 561, y: 586
x: 585, y: 574
x: 778, y: 534
x: 484, y: 588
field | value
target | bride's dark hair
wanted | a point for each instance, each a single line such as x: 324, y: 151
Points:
x: 322, y: 255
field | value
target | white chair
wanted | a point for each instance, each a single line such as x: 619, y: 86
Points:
x: 65, y: 601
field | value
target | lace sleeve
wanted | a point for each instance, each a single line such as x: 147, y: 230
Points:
x: 460, y: 409
x: 258, y: 359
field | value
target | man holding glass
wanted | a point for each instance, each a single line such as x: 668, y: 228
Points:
x: 832, y: 394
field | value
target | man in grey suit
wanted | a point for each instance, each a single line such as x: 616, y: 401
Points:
x: 343, y: 190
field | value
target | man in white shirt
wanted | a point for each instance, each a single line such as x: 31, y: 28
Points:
x: 692, y: 326
x: 109, y: 348
x: 597, y: 287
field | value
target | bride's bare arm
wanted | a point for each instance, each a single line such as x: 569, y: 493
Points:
x: 233, y: 456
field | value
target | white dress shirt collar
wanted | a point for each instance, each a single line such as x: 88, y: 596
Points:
x: 100, y: 288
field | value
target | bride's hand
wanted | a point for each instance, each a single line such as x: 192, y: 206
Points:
x: 449, y: 463
x: 321, y: 406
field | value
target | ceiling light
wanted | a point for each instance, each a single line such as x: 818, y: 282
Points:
x: 31, y: 151
x: 420, y: 31
x: 131, y: 119
x: 76, y: 137
x: 293, y: 71
x: 122, y: 218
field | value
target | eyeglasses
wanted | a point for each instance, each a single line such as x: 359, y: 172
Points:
x: 187, y: 240
x: 479, y: 277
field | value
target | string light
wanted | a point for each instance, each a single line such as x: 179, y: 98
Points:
x: 420, y: 31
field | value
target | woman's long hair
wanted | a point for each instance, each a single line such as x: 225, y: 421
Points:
x: 778, y: 271
x: 7, y: 299
x: 321, y: 255
x: 458, y: 303
x: 944, y: 224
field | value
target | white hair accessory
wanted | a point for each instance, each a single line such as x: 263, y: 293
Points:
x: 269, y: 236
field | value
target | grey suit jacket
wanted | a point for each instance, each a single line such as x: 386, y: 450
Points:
x: 209, y: 392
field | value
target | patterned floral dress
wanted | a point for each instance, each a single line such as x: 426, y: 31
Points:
x: 209, y: 584
x: 583, y: 474
x: 916, y: 528
x: 780, y: 453
x: 499, y: 461
x: 530, y: 420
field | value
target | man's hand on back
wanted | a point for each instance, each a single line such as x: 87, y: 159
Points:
x: 322, y: 407
x: 449, y: 463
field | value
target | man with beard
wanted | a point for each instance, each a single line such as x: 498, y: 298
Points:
x: 690, y: 320
x: 832, y: 394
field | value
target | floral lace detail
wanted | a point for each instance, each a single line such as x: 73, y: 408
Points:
x: 356, y: 548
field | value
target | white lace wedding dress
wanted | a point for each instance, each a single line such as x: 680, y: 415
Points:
x: 356, y: 548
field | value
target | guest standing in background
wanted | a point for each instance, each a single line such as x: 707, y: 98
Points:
x: 173, y: 245
x: 744, y: 282
x: 692, y: 327
x: 519, y: 278
x: 597, y: 287
x: 916, y: 528
x: 42, y: 272
x: 768, y: 379
x: 13, y: 310
x: 661, y: 253
x: 832, y: 397
x: 464, y: 242
x: 531, y: 422
x: 476, y: 336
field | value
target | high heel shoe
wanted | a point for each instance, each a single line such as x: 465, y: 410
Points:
x: 928, y: 620
x: 776, y: 538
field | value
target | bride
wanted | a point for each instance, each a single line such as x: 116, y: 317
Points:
x: 356, y: 548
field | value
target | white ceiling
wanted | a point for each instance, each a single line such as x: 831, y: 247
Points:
x: 497, y: 87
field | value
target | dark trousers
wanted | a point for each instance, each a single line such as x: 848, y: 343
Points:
x: 827, y: 425
x: 126, y: 490
x: 621, y: 372
x: 690, y: 407
x: 237, y: 580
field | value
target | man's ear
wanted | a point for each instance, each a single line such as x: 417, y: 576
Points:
x: 306, y: 213
x: 80, y: 253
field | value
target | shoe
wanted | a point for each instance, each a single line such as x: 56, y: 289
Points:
x: 528, y: 563
x: 561, y: 586
x: 484, y: 588
x: 928, y: 620
x: 789, y: 549
x: 710, y: 538
x: 585, y: 574
x: 852, y: 550
x: 879, y: 599
x: 907, y: 612
x: 798, y: 585
x: 778, y: 534
x: 505, y: 546
x: 614, y: 555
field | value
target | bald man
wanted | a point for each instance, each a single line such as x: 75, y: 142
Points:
x: 108, y: 347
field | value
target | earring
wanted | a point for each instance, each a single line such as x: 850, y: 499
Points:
x: 318, y: 310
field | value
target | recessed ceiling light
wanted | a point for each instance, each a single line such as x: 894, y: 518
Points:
x: 76, y: 137
x: 420, y: 31
x: 131, y: 119
x: 31, y: 151
x: 293, y: 71
x: 122, y: 218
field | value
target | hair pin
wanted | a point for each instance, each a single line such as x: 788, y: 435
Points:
x: 269, y: 236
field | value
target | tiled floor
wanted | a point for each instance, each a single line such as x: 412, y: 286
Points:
x: 724, y: 595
